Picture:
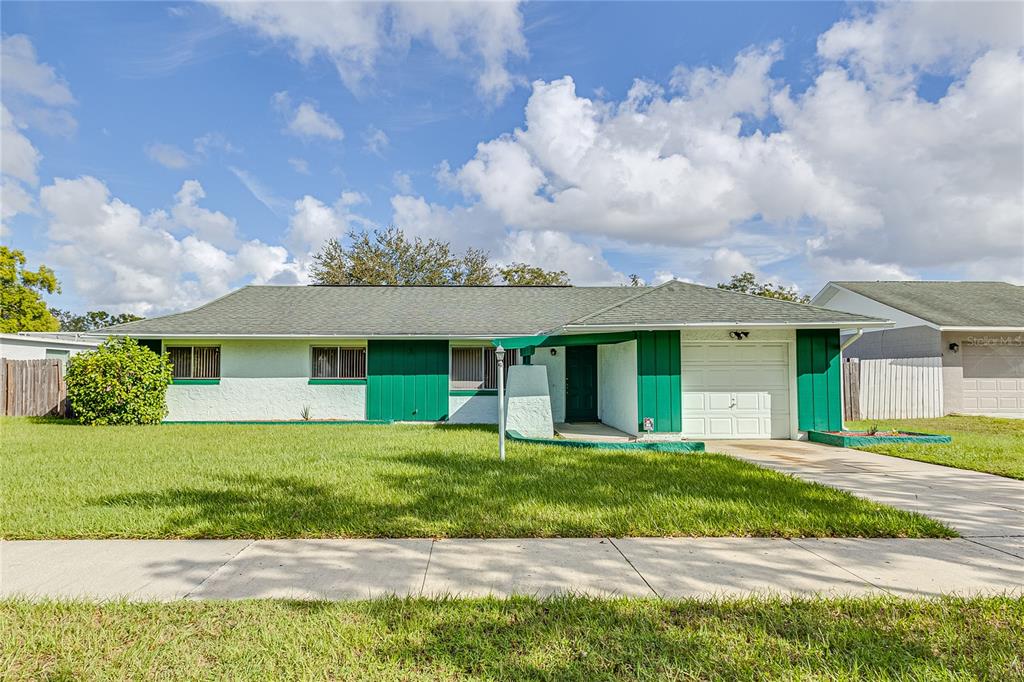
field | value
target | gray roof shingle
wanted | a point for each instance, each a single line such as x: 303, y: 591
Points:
x: 362, y: 311
x: 950, y: 304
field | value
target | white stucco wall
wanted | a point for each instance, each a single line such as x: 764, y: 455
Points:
x: 264, y: 380
x: 477, y: 409
x: 15, y: 347
x: 527, y: 404
x: 556, y: 378
x: 617, y: 390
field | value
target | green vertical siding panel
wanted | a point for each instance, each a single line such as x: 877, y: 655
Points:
x: 819, y: 396
x: 407, y: 380
x: 659, y: 392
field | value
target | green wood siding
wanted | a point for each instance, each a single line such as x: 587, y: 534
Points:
x: 819, y: 394
x: 659, y: 390
x: 407, y: 380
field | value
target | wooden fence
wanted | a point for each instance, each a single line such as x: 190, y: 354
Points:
x: 893, y: 388
x: 33, y: 388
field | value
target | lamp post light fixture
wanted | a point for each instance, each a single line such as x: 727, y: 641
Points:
x: 499, y: 353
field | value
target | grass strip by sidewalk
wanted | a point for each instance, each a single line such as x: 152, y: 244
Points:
x: 994, y: 446
x: 567, y: 638
x: 60, y: 480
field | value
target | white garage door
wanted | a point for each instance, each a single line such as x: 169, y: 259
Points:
x: 993, y: 379
x: 735, y: 390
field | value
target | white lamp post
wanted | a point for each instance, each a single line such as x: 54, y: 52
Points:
x: 499, y: 353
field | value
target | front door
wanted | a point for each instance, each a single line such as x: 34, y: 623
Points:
x: 581, y: 384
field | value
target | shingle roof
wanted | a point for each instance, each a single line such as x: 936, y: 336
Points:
x: 950, y: 304
x: 361, y: 311
x: 680, y: 302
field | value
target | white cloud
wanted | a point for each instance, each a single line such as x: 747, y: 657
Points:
x: 168, y: 155
x: 306, y: 120
x: 552, y: 250
x: 858, y: 268
x: 402, y: 182
x: 13, y: 200
x: 722, y: 264
x: 120, y: 259
x: 20, y: 158
x: 356, y: 36
x: 376, y: 141
x: 23, y: 74
x: 259, y: 191
x: 213, y: 141
x: 299, y: 165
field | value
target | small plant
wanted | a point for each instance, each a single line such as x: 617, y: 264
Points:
x: 120, y: 382
x: 305, y: 413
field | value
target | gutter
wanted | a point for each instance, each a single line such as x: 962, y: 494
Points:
x: 850, y: 341
x: 846, y: 324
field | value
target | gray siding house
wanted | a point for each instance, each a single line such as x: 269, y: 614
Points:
x: 976, y: 328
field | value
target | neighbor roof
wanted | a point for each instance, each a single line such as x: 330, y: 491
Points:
x: 949, y: 304
x: 363, y: 311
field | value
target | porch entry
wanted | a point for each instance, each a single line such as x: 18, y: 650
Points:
x: 581, y: 383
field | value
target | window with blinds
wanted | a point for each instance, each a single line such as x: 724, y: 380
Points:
x: 477, y: 368
x: 195, y: 362
x: 335, y: 362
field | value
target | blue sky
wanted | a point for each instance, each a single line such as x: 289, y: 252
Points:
x: 184, y: 149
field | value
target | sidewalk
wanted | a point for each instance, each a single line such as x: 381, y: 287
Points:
x: 651, y: 567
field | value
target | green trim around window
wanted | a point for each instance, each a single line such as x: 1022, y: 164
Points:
x: 195, y: 382
x: 465, y: 392
x: 337, y: 382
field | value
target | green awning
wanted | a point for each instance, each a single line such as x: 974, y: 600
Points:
x: 519, y: 342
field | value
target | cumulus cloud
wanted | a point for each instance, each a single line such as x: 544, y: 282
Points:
x: 356, y: 36
x: 376, y: 141
x: 305, y: 120
x: 876, y: 173
x: 168, y: 155
x: 118, y: 258
x: 299, y: 165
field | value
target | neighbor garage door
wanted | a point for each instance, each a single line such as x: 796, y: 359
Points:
x: 735, y: 390
x: 993, y: 379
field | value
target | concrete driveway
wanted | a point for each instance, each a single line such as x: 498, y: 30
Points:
x: 987, y: 509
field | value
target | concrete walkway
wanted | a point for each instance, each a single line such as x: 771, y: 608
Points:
x: 652, y: 567
x: 977, y: 505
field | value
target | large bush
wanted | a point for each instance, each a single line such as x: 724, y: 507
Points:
x: 120, y: 382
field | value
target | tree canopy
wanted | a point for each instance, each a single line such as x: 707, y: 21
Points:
x: 22, y: 308
x: 747, y: 283
x: 87, y: 322
x: 389, y: 257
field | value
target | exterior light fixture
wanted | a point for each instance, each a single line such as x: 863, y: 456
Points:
x: 554, y: 351
x: 955, y: 347
x: 739, y: 335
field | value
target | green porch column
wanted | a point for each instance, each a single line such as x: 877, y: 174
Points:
x: 659, y: 388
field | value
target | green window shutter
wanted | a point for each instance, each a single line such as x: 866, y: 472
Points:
x: 659, y: 389
x: 818, y: 380
x: 407, y: 380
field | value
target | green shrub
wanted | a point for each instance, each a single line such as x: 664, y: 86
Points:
x: 120, y: 382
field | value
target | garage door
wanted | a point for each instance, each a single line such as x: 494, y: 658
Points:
x: 735, y: 390
x: 993, y: 379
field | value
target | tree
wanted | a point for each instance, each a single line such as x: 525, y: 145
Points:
x: 94, y: 319
x: 525, y: 275
x: 388, y: 257
x: 746, y: 283
x: 636, y: 280
x: 120, y: 382
x: 22, y: 308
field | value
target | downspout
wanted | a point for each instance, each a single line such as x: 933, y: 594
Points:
x: 850, y: 341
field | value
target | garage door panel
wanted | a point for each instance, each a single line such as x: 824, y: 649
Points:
x: 736, y: 390
x: 993, y: 379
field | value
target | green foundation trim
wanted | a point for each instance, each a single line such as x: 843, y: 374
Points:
x: 338, y: 382
x: 651, y: 446
x: 297, y: 422
x: 843, y: 440
x: 195, y: 382
x: 472, y: 392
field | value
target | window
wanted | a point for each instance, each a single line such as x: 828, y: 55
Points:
x: 477, y: 368
x: 333, y: 362
x: 195, y: 362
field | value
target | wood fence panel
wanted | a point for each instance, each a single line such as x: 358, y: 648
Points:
x: 900, y: 388
x: 851, y: 389
x: 33, y: 388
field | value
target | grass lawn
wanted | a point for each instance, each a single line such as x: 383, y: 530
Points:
x: 995, y: 446
x: 568, y: 638
x: 62, y: 480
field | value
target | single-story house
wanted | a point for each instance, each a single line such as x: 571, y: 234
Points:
x: 974, y: 329
x: 673, y: 360
x: 43, y: 345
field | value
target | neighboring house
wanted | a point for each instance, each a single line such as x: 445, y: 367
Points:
x: 975, y: 328
x: 696, y: 361
x: 42, y: 345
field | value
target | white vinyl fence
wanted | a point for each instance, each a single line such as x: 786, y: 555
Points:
x: 897, y: 388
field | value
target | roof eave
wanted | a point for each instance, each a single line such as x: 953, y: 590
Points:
x: 996, y: 330
x: 844, y: 324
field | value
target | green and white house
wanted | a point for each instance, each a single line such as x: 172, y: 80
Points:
x: 677, y: 360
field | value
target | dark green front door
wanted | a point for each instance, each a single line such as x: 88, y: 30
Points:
x: 407, y: 380
x: 581, y: 384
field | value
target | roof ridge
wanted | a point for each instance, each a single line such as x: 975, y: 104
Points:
x: 644, y: 292
x: 184, y: 312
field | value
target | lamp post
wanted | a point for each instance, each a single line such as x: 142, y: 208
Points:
x: 499, y: 353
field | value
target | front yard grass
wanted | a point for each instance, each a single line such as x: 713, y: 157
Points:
x: 62, y: 480
x: 566, y: 638
x: 994, y: 446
